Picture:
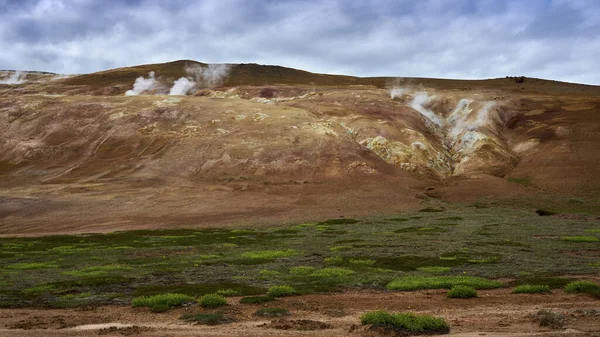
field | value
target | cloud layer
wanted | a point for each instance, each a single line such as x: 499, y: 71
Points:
x: 554, y: 39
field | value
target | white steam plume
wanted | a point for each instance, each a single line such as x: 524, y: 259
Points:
x: 182, y: 86
x: 396, y: 92
x: 17, y: 77
x: 417, y: 103
x: 209, y: 76
x: 142, y: 85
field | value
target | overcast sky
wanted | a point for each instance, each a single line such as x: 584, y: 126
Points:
x: 553, y: 39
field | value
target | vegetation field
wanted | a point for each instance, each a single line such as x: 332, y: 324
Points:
x: 481, y: 248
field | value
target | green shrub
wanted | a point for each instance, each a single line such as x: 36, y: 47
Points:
x: 210, y: 318
x: 409, y: 283
x: 332, y: 272
x: 272, y: 312
x: 583, y: 287
x: 256, y: 299
x: 531, y: 289
x: 580, y: 238
x: 280, y: 291
x: 434, y: 269
x: 302, y: 270
x: 267, y: 274
x: 212, y: 301
x: 461, y: 292
x: 406, y: 322
x: 168, y: 299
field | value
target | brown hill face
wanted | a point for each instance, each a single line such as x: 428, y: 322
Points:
x: 265, y: 144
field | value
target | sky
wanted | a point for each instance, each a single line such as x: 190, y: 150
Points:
x: 469, y: 39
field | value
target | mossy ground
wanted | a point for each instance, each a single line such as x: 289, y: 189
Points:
x: 113, y: 268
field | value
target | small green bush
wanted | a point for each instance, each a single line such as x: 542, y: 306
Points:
x: 272, y: 312
x: 409, y: 283
x: 362, y: 262
x: 212, y: 301
x: 583, y: 287
x: 531, y: 289
x: 256, y: 299
x: 210, y: 318
x: 434, y: 269
x: 406, y: 322
x: 280, y: 291
x: 461, y: 292
x: 169, y: 299
x: 302, y: 270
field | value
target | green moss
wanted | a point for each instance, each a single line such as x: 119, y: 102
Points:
x: 409, y: 283
x: 168, y: 299
x: 361, y: 262
x: 339, y: 248
x: 198, y: 289
x: 580, y: 239
x: 302, y: 270
x: 228, y: 292
x: 32, y: 265
x: 583, y: 287
x: 40, y: 289
x: 269, y: 254
x: 460, y: 291
x: 212, y: 301
x: 406, y: 323
x: 332, y: 272
x: 434, y: 269
x: 280, y: 291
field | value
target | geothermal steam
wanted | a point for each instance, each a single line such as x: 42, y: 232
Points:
x: 142, y: 85
x: 182, y: 86
x: 418, y: 102
x: 17, y: 77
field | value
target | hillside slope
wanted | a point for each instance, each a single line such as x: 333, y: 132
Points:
x: 265, y: 144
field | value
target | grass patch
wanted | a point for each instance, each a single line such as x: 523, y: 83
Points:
x: 531, y: 289
x: 32, y: 266
x: 406, y: 323
x: 281, y: 291
x: 584, y: 238
x: 587, y: 287
x: 272, y: 312
x: 212, y: 301
x: 302, y: 270
x: 256, y: 299
x: 460, y: 291
x: 434, y: 269
x: 228, y: 292
x: 594, y: 230
x: 169, y: 299
x: 269, y: 254
x: 409, y: 283
x: 39, y: 289
x: 339, y: 248
x: 330, y: 272
x: 206, y: 318
x: 198, y: 289
x: 361, y: 262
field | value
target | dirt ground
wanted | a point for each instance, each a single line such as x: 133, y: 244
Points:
x: 494, y: 313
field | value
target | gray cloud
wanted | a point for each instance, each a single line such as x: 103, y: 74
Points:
x: 428, y: 38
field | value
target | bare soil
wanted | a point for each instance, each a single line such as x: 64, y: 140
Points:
x: 493, y: 313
